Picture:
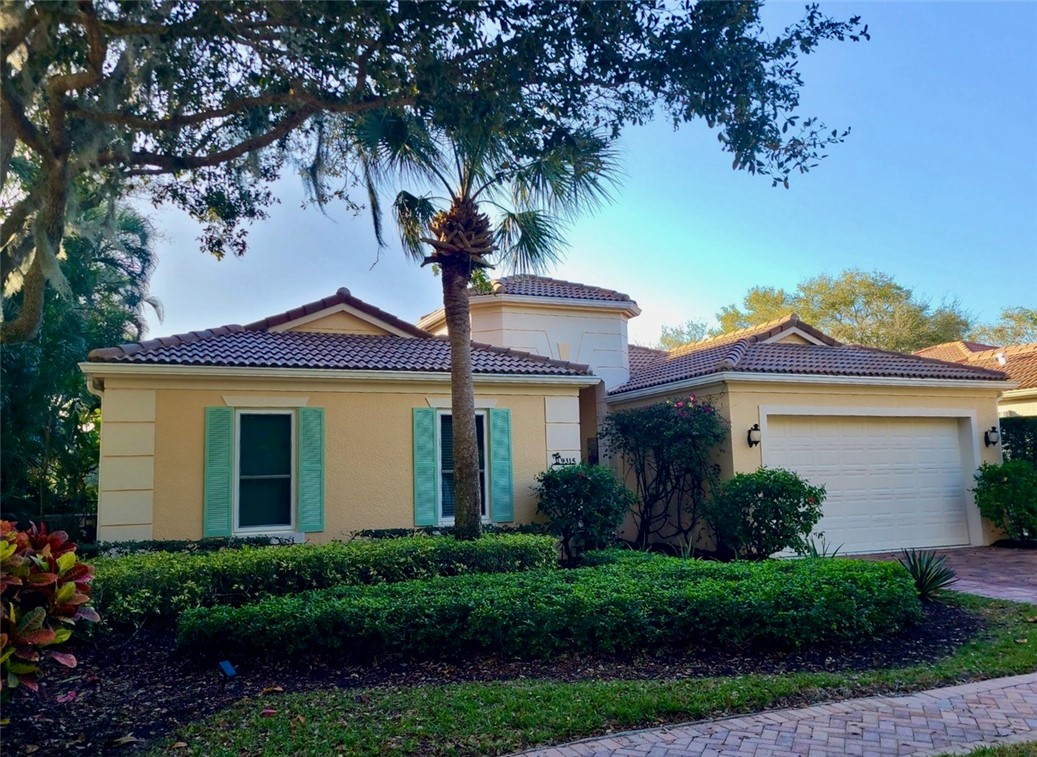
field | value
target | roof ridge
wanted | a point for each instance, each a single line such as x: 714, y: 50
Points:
x: 737, y: 352
x: 342, y: 296
x: 1025, y: 348
x: 767, y: 327
x: 549, y: 279
x: 101, y: 354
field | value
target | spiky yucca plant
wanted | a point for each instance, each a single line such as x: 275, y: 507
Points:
x: 929, y: 571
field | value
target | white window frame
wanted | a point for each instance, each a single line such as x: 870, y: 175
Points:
x: 439, y: 464
x: 270, y: 529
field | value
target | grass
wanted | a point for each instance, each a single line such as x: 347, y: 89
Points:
x: 495, y: 718
x: 1025, y: 749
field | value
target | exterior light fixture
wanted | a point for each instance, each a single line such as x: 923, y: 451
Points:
x: 991, y: 436
x: 754, y: 436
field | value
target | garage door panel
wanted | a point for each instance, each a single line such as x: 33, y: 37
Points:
x: 891, y: 483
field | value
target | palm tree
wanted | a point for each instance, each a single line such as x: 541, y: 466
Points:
x: 507, y: 198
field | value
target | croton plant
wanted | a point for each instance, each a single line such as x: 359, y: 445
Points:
x: 44, y: 590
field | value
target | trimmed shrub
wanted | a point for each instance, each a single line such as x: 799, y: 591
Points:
x: 211, y: 544
x: 159, y: 586
x: 760, y: 513
x: 44, y: 590
x: 1019, y: 438
x: 1006, y: 495
x: 585, y: 506
x: 487, y: 528
x: 627, y: 607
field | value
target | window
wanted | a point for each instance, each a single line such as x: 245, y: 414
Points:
x: 265, y: 467
x: 445, y: 447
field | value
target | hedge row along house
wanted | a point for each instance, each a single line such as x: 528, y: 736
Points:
x: 335, y: 416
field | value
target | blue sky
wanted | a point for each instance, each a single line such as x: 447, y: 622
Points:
x: 936, y: 186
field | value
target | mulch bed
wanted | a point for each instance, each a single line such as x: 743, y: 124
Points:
x: 122, y: 697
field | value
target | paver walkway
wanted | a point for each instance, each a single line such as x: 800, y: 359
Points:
x: 995, y: 572
x: 932, y: 722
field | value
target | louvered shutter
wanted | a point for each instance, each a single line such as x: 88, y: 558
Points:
x: 217, y: 518
x: 425, y: 473
x: 311, y: 469
x: 502, y: 507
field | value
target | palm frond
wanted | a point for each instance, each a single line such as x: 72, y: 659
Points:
x: 528, y: 241
x: 413, y: 215
x: 575, y: 173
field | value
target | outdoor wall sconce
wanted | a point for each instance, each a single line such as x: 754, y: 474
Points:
x: 754, y: 436
x: 991, y: 436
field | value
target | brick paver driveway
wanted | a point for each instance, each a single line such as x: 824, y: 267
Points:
x: 932, y: 722
x: 990, y: 571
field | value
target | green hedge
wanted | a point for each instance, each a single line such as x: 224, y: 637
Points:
x: 159, y: 586
x: 211, y: 544
x: 629, y: 606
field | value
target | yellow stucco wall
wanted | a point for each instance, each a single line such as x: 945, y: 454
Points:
x: 1018, y: 405
x: 368, y: 445
x: 340, y: 323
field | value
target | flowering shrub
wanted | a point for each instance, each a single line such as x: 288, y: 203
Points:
x: 668, y: 447
x: 757, y: 514
x: 1006, y: 495
x: 585, y: 506
x: 44, y: 590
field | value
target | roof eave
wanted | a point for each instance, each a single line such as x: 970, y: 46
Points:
x: 100, y: 370
x: 808, y: 378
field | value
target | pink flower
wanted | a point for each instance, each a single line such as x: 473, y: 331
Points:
x: 680, y: 404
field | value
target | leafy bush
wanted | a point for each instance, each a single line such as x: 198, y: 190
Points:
x: 630, y: 606
x: 929, y: 572
x: 488, y: 528
x: 1019, y: 438
x: 760, y: 513
x: 584, y: 505
x: 159, y: 586
x: 44, y: 590
x: 669, y: 449
x: 1006, y: 495
x: 209, y: 544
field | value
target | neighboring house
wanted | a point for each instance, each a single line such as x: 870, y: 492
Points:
x: 1018, y: 361
x: 335, y: 417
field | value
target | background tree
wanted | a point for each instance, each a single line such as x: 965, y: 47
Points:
x: 856, y: 307
x: 1017, y: 325
x: 681, y: 334
x: 48, y: 419
x: 203, y: 103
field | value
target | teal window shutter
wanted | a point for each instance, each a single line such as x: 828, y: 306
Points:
x: 502, y: 506
x: 311, y: 469
x: 426, y: 510
x: 218, y: 498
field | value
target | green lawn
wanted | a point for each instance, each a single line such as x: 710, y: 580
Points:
x: 495, y: 718
x: 1027, y: 749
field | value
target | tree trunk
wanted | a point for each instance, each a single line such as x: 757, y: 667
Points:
x: 467, y: 505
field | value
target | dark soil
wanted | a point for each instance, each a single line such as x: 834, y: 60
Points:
x: 123, y: 696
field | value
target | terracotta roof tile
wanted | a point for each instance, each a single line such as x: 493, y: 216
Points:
x: 642, y: 358
x: 751, y: 354
x: 1020, y: 363
x: 341, y: 297
x: 955, y: 352
x: 238, y: 347
x: 541, y: 286
x: 760, y: 332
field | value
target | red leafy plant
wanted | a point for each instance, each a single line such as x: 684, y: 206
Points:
x: 44, y: 590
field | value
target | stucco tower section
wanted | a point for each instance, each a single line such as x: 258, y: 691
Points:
x: 585, y: 330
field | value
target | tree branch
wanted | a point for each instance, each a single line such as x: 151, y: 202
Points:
x: 30, y: 316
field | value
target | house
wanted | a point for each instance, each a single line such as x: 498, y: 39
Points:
x: 1018, y: 361
x: 335, y: 417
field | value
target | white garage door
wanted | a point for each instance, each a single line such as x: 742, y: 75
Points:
x: 892, y: 483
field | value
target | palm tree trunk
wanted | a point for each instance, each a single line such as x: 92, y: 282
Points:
x: 467, y: 506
